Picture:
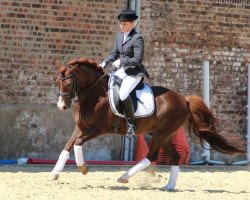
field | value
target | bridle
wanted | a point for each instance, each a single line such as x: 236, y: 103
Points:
x: 76, y: 92
x: 75, y: 88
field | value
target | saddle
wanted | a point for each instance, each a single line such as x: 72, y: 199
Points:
x: 142, y: 98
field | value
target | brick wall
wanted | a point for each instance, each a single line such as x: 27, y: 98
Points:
x: 181, y: 35
x: 33, y: 34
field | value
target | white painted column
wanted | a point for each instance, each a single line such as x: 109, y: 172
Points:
x: 245, y: 162
x: 248, y: 117
x: 206, y: 151
x: 126, y: 148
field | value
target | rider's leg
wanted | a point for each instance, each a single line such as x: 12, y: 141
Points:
x: 128, y: 109
x: 128, y: 84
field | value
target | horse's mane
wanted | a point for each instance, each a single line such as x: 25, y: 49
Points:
x: 86, y: 62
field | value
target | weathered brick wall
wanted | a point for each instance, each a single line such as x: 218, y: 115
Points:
x: 181, y: 35
x: 33, y: 34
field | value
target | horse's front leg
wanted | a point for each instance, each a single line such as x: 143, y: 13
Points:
x: 64, y: 156
x: 82, y: 166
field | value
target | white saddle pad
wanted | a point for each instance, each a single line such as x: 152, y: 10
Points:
x: 145, y: 105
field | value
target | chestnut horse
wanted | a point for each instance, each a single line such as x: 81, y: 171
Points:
x: 86, y: 84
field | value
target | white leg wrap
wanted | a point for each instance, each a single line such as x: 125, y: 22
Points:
x: 64, y: 156
x: 172, y: 177
x: 137, y: 168
x: 78, y: 155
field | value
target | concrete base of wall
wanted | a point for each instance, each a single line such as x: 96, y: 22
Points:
x: 42, y: 131
x: 197, y: 151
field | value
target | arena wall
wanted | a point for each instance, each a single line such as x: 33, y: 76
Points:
x: 179, y: 36
x: 33, y: 35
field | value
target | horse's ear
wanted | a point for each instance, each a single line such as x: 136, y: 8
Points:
x: 58, y: 64
x: 73, y: 62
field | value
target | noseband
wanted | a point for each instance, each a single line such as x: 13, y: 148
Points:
x: 75, y: 89
x: 76, y: 92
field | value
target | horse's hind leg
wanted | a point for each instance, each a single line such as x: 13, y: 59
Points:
x: 134, y: 170
x: 152, y: 156
x: 174, y: 157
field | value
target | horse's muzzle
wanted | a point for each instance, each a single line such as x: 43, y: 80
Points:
x: 63, y: 104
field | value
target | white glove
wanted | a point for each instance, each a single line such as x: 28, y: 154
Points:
x: 117, y: 63
x: 102, y: 64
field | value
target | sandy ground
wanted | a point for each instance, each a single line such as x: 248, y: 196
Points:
x: 202, y: 182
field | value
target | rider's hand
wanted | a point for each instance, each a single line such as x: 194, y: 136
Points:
x: 102, y: 64
x: 117, y: 63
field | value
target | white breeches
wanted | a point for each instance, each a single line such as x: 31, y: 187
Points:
x: 128, y: 83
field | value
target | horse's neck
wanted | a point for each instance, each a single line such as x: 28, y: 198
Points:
x: 93, y: 109
x: 98, y: 91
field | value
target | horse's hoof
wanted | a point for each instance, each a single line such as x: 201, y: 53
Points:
x: 151, y: 170
x: 54, y: 177
x: 167, y: 189
x: 123, y: 179
x: 83, y: 169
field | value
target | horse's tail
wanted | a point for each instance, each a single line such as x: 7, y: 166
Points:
x: 203, y: 124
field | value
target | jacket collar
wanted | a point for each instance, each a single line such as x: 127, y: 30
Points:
x: 130, y: 35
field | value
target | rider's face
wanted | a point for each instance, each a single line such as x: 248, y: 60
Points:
x: 126, y: 26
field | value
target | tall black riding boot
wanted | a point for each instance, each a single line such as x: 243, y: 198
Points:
x: 128, y: 109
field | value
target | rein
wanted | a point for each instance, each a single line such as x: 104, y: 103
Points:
x: 88, y: 89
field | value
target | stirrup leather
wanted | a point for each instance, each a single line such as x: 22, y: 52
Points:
x: 131, y: 130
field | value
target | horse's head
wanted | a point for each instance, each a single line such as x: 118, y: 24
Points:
x: 65, y: 82
x: 74, y: 80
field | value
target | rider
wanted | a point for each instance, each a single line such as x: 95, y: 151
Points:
x: 127, y: 56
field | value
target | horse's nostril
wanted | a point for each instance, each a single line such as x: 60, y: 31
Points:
x: 64, y: 107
